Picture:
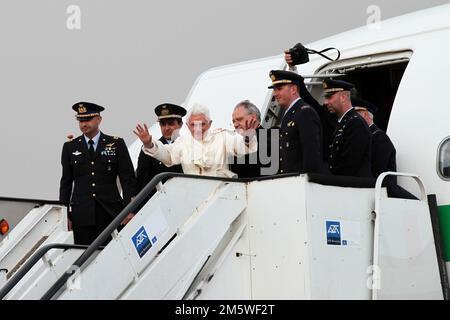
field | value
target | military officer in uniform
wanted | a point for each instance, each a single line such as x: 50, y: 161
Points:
x: 383, y: 151
x: 300, y: 130
x: 350, y: 149
x: 91, y: 164
x: 328, y: 119
x: 170, y: 121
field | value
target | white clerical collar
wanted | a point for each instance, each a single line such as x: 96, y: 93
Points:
x: 340, y: 119
x: 290, y: 106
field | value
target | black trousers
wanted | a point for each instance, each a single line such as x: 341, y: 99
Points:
x: 86, y: 235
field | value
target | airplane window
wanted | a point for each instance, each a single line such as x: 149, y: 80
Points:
x: 444, y: 159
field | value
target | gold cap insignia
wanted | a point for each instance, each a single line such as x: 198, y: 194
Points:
x: 165, y: 112
x: 81, y: 108
x: 273, y: 77
x: 324, y: 85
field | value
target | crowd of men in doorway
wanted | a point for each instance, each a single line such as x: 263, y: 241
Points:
x: 337, y: 138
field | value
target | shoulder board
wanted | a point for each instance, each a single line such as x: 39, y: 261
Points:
x: 306, y: 107
x: 377, y: 131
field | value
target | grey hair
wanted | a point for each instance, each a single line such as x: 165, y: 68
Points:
x: 198, y: 109
x: 250, y: 107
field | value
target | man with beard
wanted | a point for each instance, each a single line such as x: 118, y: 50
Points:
x: 91, y: 164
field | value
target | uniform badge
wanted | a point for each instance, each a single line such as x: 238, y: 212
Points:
x: 76, y: 153
x: 81, y: 108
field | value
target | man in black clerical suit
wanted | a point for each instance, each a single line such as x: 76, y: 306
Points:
x: 260, y: 163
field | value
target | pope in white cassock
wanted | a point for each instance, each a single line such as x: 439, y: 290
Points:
x: 204, y: 151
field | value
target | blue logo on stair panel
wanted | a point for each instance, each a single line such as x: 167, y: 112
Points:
x: 141, y: 242
x: 333, y: 232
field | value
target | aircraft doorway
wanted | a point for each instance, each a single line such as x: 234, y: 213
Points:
x: 376, y: 79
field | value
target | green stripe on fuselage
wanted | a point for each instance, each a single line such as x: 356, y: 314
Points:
x: 444, y: 218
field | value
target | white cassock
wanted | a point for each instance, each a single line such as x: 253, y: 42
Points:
x: 207, y: 157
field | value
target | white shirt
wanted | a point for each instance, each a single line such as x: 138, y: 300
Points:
x: 290, y: 106
x: 340, y: 119
x: 95, y: 139
x: 207, y: 157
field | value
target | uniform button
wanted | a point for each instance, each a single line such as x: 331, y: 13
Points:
x: 92, y: 162
x: 109, y: 160
x: 93, y: 184
x: 331, y: 167
x: 93, y: 173
x: 281, y: 147
x: 281, y: 171
x: 160, y: 162
x: 75, y: 162
x: 281, y: 159
x: 93, y: 194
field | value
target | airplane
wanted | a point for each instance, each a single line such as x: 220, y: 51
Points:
x: 402, y: 67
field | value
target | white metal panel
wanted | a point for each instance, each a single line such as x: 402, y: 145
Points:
x: 339, y: 271
x: 176, y: 202
x: 30, y: 234
x: 229, y: 276
x: 43, y: 275
x: 121, y: 252
x: 408, y: 262
x: 107, y: 274
x: 173, y: 271
x: 278, y: 239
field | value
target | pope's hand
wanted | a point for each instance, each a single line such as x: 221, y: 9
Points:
x: 144, y: 135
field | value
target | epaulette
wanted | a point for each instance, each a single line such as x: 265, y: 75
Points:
x: 115, y: 137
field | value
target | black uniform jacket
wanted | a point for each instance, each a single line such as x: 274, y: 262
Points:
x: 383, y: 152
x: 148, y: 167
x: 87, y: 180
x: 301, y: 140
x: 327, y: 119
x: 350, y: 150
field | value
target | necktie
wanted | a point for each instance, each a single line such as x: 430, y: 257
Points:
x: 91, y: 148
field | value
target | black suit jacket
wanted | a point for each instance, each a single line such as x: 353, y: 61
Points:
x: 250, y: 165
x: 350, y: 150
x: 301, y: 140
x: 148, y: 167
x: 87, y: 180
x: 383, y: 152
